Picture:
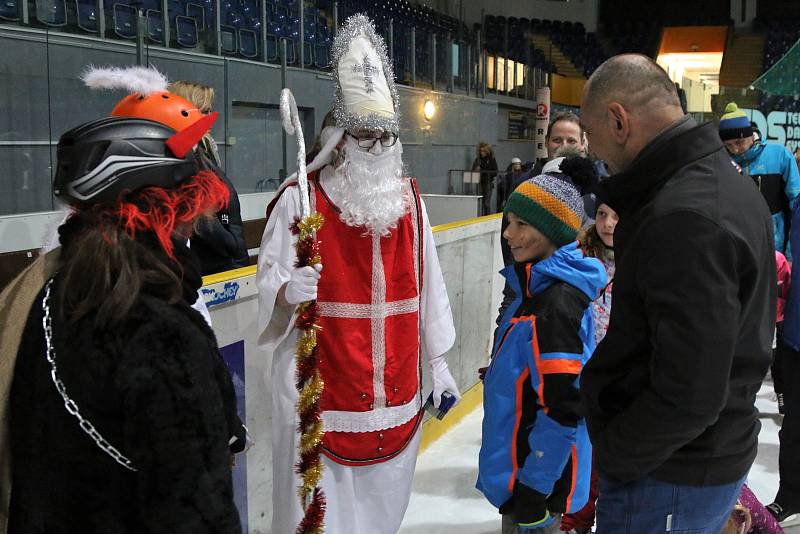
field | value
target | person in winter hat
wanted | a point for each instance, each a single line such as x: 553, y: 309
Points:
x: 120, y: 410
x: 535, y: 457
x: 770, y: 165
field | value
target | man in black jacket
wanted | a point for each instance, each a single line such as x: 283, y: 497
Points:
x: 669, y: 393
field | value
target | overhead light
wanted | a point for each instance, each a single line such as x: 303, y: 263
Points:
x: 429, y: 110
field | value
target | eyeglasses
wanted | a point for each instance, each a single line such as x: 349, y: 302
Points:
x: 387, y: 140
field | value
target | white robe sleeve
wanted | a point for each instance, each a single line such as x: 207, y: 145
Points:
x: 438, y: 332
x: 276, y: 259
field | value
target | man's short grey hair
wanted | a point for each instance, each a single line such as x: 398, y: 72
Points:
x: 633, y: 80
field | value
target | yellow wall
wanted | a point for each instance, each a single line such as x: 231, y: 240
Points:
x: 567, y: 91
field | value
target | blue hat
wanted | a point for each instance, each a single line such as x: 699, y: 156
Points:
x: 734, y: 124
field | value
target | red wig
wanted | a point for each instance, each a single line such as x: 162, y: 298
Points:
x: 158, y: 210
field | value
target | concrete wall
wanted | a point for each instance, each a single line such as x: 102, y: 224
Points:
x: 470, y: 258
x: 584, y: 11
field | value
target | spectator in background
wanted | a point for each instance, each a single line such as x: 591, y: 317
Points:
x: 487, y: 166
x: 564, y: 131
x: 217, y: 241
x: 508, y: 182
x: 669, y: 392
x: 770, y: 165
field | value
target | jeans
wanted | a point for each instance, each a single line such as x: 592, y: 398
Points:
x: 789, y: 456
x: 649, y: 506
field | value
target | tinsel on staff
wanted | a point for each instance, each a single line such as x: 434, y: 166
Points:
x: 309, y: 380
x: 309, y: 386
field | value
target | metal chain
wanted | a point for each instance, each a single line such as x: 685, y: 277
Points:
x: 70, y: 405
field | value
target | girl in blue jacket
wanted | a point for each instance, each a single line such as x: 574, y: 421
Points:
x: 535, y: 458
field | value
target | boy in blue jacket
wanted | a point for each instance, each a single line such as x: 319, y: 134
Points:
x: 535, y: 458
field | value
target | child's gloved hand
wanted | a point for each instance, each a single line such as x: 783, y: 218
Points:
x: 530, y: 508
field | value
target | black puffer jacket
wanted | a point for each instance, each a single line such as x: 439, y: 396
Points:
x: 157, y: 389
x: 219, y: 241
x: 670, y: 390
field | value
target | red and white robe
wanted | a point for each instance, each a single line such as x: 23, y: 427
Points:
x: 383, y: 303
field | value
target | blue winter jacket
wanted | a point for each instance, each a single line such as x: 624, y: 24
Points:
x: 774, y: 170
x: 532, y: 430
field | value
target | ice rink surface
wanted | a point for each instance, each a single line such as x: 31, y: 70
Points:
x: 445, y: 501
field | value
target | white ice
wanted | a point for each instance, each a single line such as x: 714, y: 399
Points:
x: 445, y: 501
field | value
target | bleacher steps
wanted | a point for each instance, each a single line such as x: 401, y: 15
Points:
x: 743, y: 61
x: 563, y: 64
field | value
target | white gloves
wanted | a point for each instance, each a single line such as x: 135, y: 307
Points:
x: 442, y: 380
x: 302, y: 284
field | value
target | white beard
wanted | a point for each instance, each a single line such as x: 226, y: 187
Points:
x: 368, y: 188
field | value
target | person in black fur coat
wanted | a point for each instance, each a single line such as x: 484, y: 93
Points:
x: 121, y: 408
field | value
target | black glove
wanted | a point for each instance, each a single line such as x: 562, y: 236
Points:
x: 529, y: 507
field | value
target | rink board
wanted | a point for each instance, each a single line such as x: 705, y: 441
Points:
x: 469, y: 253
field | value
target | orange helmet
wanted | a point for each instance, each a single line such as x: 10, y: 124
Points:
x: 161, y: 106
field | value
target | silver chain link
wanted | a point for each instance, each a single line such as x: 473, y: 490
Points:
x: 69, y: 404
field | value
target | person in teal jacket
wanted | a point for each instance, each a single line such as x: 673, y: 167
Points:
x: 535, y: 457
x: 771, y: 166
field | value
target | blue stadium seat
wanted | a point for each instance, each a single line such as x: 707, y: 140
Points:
x: 235, y: 19
x: 9, y: 10
x: 197, y: 12
x: 253, y: 24
x: 155, y: 26
x: 51, y: 12
x: 174, y: 8
x: 272, y: 54
x: 124, y: 17
x: 228, y: 40
x: 86, y: 11
x: 186, y: 31
x: 282, y: 14
x: 248, y: 43
x: 308, y: 54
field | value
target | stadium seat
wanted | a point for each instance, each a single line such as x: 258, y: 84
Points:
x: 197, y: 12
x: 272, y: 53
x: 9, y: 10
x: 86, y: 11
x: 51, y: 12
x: 155, y: 26
x: 124, y: 17
x: 186, y: 31
x: 248, y: 43
x: 228, y: 40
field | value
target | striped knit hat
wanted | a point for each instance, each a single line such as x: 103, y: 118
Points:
x: 550, y: 204
x: 734, y: 124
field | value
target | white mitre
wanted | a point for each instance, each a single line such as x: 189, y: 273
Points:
x: 366, y: 96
